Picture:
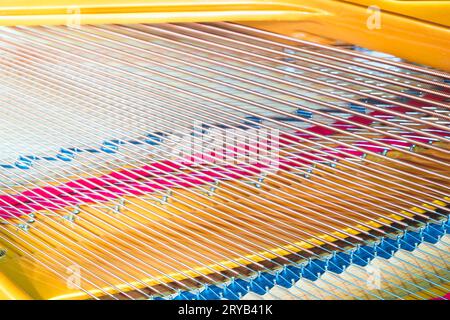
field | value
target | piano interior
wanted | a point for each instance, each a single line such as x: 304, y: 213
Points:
x: 202, y: 150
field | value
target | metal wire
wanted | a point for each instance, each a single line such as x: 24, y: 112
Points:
x: 78, y: 84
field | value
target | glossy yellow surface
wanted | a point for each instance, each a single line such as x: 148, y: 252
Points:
x: 10, y: 291
x: 31, y: 12
x: 436, y: 11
